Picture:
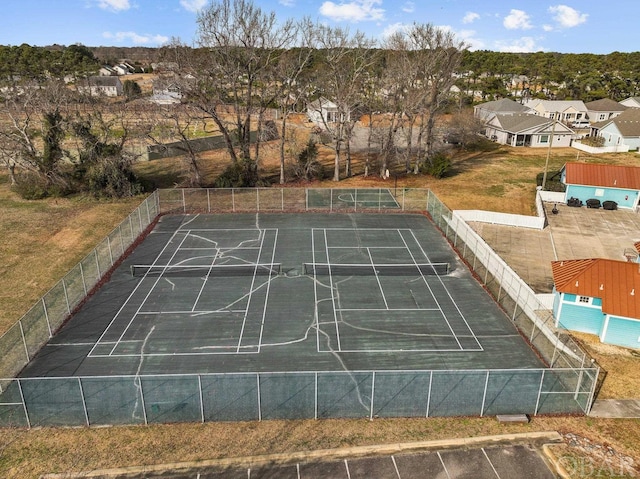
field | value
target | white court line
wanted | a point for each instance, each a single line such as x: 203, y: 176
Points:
x: 204, y: 283
x: 261, y: 236
x: 130, y: 296
x: 316, y: 313
x: 384, y: 298
x: 449, y: 294
x: 388, y: 309
x: 147, y: 296
x: 192, y: 313
x: 427, y: 284
x: 333, y: 296
x: 266, y: 298
x: 376, y: 247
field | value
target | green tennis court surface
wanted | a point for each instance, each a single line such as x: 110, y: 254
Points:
x: 352, y: 199
x: 250, y: 293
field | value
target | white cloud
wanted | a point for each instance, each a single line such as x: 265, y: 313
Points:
x: 287, y: 3
x: 354, y: 11
x: 520, y: 45
x: 114, y: 5
x: 409, y: 7
x: 193, y: 6
x: 567, y: 17
x: 393, y: 28
x: 470, y: 17
x: 517, y: 20
x: 547, y: 28
x: 136, y: 39
x: 469, y: 37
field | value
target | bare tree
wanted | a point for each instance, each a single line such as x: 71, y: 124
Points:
x: 289, y: 75
x: 233, y: 74
x: 422, y: 64
x: 176, y: 124
x: 340, y: 80
x: 33, y: 130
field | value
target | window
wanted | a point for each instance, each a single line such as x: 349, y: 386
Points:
x: 544, y: 138
x: 602, y: 116
x: 599, y: 192
x: 584, y: 299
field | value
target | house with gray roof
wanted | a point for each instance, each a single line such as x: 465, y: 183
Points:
x: 528, y: 130
x: 631, y: 102
x: 504, y: 106
x: 567, y: 111
x: 604, y: 109
x: 624, y: 129
x: 101, y: 86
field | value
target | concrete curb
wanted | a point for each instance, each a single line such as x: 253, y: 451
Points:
x: 540, y: 438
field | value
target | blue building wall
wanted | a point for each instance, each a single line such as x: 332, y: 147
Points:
x: 576, y: 316
x: 623, y: 332
x: 624, y: 197
x: 589, y: 318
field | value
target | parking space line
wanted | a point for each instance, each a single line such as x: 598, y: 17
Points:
x: 395, y: 466
x: 443, y: 466
x: 490, y: 463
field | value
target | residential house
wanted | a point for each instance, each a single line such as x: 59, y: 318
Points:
x: 603, y: 109
x: 124, y: 69
x: 631, y: 102
x: 617, y: 183
x: 598, y: 296
x: 504, y: 106
x: 106, y: 71
x: 528, y: 130
x: 323, y: 112
x: 623, y: 129
x: 166, y: 91
x: 101, y: 85
x: 567, y: 111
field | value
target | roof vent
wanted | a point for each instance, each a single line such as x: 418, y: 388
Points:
x: 577, y: 284
x: 633, y: 292
x: 602, y: 287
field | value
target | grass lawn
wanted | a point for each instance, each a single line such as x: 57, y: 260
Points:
x: 42, y: 240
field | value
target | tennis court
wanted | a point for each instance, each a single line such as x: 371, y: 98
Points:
x: 279, y: 292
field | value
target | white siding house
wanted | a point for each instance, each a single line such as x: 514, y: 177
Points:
x: 101, y: 85
x: 624, y: 129
x: 323, y: 112
x: 528, y: 130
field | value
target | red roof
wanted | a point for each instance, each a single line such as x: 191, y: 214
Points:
x: 616, y: 282
x: 611, y: 176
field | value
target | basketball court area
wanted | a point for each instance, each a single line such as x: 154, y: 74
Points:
x: 281, y: 292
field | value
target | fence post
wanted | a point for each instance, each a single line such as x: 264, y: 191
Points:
x: 84, y: 403
x: 184, y: 203
x: 515, y: 308
x: 315, y: 412
x: 257, y: 199
x: 66, y: 296
x: 281, y: 199
x: 592, y: 392
x: 535, y: 412
x: 24, y: 341
x: 144, y: 407
x: 84, y: 283
x: 110, y: 250
x: 484, y: 395
x: 200, y: 393
x: 373, y: 390
x: 95, y: 254
x: 429, y: 393
x: 208, y: 200
x: 24, y: 404
x: 46, y: 317
x: 233, y: 200
x: 259, y: 399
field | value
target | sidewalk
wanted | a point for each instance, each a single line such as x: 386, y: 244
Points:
x: 616, y: 408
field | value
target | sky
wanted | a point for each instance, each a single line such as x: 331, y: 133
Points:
x: 564, y: 26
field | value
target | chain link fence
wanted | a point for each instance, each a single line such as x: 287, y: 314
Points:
x: 567, y: 386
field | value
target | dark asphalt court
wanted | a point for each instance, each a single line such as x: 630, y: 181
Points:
x: 293, y: 321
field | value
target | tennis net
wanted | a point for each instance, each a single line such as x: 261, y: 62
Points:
x: 370, y: 269
x: 260, y: 269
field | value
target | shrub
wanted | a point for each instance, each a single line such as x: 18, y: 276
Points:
x: 553, y: 181
x: 437, y: 165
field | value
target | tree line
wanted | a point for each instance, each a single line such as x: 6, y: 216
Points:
x: 245, y: 65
